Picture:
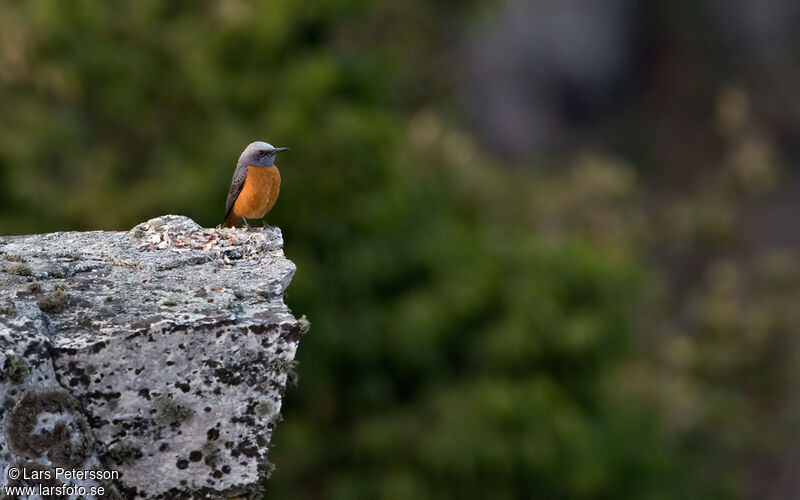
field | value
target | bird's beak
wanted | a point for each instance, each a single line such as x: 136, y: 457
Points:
x: 278, y: 150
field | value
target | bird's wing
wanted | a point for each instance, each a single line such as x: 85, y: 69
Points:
x: 237, y: 183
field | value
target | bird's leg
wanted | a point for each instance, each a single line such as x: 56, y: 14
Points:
x: 264, y: 223
x: 246, y: 224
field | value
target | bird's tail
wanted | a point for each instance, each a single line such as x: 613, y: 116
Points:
x: 230, y: 220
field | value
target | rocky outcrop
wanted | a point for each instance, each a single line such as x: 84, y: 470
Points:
x: 155, y: 358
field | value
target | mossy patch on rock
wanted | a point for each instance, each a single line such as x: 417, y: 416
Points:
x: 292, y: 378
x: 19, y: 269
x: 169, y: 411
x: 305, y: 325
x: 281, y: 365
x: 54, y: 302
x: 266, y: 408
x: 125, y: 452
x: 70, y: 256
x: 15, y: 367
x: 8, y: 309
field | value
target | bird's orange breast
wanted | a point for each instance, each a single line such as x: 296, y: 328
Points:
x: 259, y: 193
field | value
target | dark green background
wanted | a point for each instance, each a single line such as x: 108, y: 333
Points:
x: 601, y: 322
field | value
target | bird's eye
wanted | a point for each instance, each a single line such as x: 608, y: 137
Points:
x: 262, y: 153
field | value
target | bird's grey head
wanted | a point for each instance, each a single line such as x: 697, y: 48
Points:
x: 259, y: 154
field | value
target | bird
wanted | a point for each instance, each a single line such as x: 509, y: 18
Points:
x: 255, y: 185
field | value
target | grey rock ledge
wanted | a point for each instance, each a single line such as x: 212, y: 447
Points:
x: 161, y: 353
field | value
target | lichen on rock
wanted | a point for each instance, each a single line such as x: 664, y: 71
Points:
x: 162, y: 353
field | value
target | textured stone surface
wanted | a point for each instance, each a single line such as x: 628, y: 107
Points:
x: 161, y: 353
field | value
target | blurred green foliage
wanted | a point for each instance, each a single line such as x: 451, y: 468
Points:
x: 478, y: 332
